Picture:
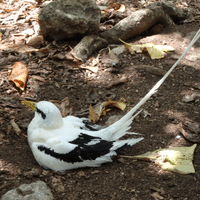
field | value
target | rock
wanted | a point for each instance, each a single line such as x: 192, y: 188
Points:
x: 35, y: 41
x: 170, y: 9
x: 63, y: 19
x: 33, y: 191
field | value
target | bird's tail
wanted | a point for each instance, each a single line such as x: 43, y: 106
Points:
x: 120, y: 128
x: 120, y: 145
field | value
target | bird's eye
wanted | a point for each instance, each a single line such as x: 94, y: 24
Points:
x: 42, y: 114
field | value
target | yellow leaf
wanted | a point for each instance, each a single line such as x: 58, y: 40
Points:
x: 93, y: 116
x: 121, y: 105
x: 177, y: 159
x: 155, y: 51
x: 164, y: 48
x: 100, y: 109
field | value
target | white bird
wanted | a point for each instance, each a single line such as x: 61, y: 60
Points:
x: 67, y: 143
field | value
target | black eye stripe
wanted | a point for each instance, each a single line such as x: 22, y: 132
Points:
x: 39, y: 111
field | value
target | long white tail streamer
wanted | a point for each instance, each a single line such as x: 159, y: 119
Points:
x: 154, y: 89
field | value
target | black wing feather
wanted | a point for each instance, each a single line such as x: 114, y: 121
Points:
x: 83, y: 151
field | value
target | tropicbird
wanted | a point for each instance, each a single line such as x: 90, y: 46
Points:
x: 67, y: 143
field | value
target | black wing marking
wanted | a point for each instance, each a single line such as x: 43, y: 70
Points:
x: 91, y: 126
x: 83, y: 139
x: 83, y: 151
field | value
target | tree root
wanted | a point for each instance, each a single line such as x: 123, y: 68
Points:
x: 160, y: 12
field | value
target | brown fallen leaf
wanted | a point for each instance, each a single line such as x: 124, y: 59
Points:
x: 115, y: 5
x: 109, y: 58
x: 100, y: 109
x: 93, y: 116
x: 191, y: 131
x: 15, y: 127
x: 35, y: 41
x: 1, y: 35
x: 156, y: 196
x: 64, y: 106
x: 19, y: 75
x: 22, y: 48
x: 116, y: 82
x: 73, y: 57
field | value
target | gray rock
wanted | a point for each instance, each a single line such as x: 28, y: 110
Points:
x: 170, y: 9
x: 33, y: 191
x: 63, y: 19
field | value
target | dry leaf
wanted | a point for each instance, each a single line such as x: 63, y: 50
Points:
x: 121, y: 105
x: 191, y: 131
x: 100, y: 109
x: 156, y: 196
x: 115, y: 5
x: 109, y: 58
x: 19, y: 75
x: 176, y: 159
x: 116, y: 82
x: 22, y: 48
x: 1, y: 35
x: 122, y: 8
x: 155, y: 51
x: 65, y: 107
x: 92, y: 69
x: 93, y: 116
x: 15, y: 127
x: 35, y: 41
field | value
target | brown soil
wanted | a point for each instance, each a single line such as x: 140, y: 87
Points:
x: 123, y: 178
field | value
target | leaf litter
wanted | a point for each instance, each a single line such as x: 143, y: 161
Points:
x: 176, y: 159
x: 155, y: 51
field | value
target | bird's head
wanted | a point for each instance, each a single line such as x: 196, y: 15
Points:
x: 47, y: 115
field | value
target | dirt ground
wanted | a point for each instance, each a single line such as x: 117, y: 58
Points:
x: 123, y: 178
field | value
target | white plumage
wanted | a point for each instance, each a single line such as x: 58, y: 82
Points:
x: 66, y: 143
